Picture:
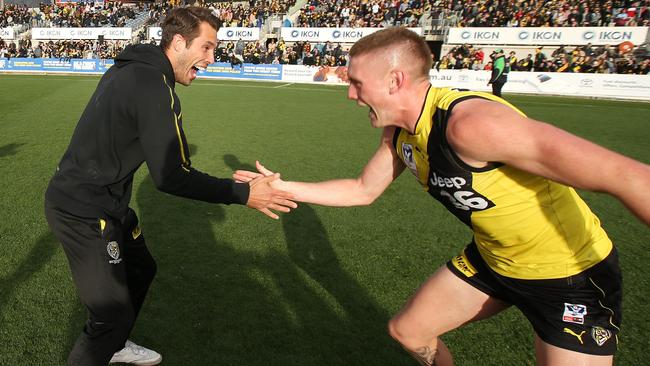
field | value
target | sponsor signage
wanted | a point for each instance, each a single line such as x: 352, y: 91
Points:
x: 315, y: 74
x: 24, y: 64
x: 155, y: 33
x: 55, y: 65
x: 245, y: 71
x: 224, y: 33
x: 572, y: 84
x: 548, y: 36
x: 81, y: 33
x: 6, y: 33
x: 342, y: 35
x: 237, y: 33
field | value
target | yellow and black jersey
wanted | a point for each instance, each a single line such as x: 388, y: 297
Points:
x: 525, y: 226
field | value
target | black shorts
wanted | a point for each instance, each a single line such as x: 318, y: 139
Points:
x: 581, y: 313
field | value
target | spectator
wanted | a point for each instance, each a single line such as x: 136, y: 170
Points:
x: 526, y: 64
x: 512, y: 60
x: 540, y: 58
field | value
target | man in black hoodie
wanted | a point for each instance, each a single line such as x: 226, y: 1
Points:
x: 134, y: 116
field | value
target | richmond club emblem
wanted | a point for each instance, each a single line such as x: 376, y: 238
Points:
x: 600, y: 335
x: 113, y: 250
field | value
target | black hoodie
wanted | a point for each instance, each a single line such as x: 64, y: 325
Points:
x: 134, y: 116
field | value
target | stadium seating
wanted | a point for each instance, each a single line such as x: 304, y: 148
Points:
x: 342, y: 13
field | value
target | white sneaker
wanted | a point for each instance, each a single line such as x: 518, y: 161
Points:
x: 136, y: 355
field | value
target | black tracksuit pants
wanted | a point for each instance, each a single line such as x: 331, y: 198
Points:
x: 112, y: 270
x: 498, y: 85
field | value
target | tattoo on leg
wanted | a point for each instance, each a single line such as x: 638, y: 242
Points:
x: 425, y: 356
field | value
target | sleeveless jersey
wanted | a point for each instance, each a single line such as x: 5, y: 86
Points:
x: 525, y: 226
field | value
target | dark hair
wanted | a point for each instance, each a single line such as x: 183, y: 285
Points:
x: 396, y: 36
x: 186, y: 22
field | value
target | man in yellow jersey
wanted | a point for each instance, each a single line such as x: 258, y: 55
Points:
x: 536, y: 244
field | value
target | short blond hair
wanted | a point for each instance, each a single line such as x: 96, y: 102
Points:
x: 411, y: 44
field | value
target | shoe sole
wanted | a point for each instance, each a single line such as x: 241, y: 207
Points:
x: 149, y: 363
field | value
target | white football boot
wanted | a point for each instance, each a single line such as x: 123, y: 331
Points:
x: 136, y: 355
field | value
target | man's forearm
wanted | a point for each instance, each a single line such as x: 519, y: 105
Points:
x: 340, y: 192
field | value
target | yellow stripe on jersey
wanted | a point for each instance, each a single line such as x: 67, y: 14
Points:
x: 525, y: 226
x: 135, y: 233
x: 178, y: 129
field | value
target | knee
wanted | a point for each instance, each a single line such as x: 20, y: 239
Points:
x: 410, y: 334
x: 400, y: 331
x: 116, y: 320
x: 143, y: 269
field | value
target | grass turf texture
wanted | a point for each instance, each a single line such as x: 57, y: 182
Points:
x: 314, y: 288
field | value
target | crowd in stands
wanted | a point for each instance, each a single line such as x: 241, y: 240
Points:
x: 278, y: 52
x: 62, y: 49
x: 358, y: 13
x: 555, y: 13
x: 13, y: 15
x: 585, y: 59
x: 250, y: 13
x: 475, y: 13
x: 349, y: 13
x: 108, y: 14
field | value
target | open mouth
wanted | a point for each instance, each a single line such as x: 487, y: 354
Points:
x: 195, y: 69
x: 372, y: 114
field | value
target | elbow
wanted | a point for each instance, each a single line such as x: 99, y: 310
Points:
x: 366, y: 197
x: 163, y: 184
x: 362, y: 201
x: 368, y: 200
x: 163, y: 187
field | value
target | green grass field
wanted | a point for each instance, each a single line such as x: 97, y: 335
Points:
x: 316, y: 287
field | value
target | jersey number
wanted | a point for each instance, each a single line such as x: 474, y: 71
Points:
x: 463, y: 200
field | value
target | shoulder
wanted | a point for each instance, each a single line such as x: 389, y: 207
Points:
x: 474, y: 111
x: 477, y: 119
x: 148, y: 81
x: 147, y: 75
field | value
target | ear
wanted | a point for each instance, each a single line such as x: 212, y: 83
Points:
x: 397, y: 80
x: 178, y: 43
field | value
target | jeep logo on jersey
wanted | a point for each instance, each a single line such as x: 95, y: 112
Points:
x: 113, y: 250
x: 409, y: 159
x: 459, y: 193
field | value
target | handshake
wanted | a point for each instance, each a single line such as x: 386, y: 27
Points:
x: 267, y: 191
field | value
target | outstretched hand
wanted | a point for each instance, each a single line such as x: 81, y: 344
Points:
x: 264, y: 193
x: 245, y: 176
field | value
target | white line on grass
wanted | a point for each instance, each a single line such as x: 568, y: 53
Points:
x: 577, y: 105
x: 282, y: 86
x: 319, y: 88
x: 54, y: 78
